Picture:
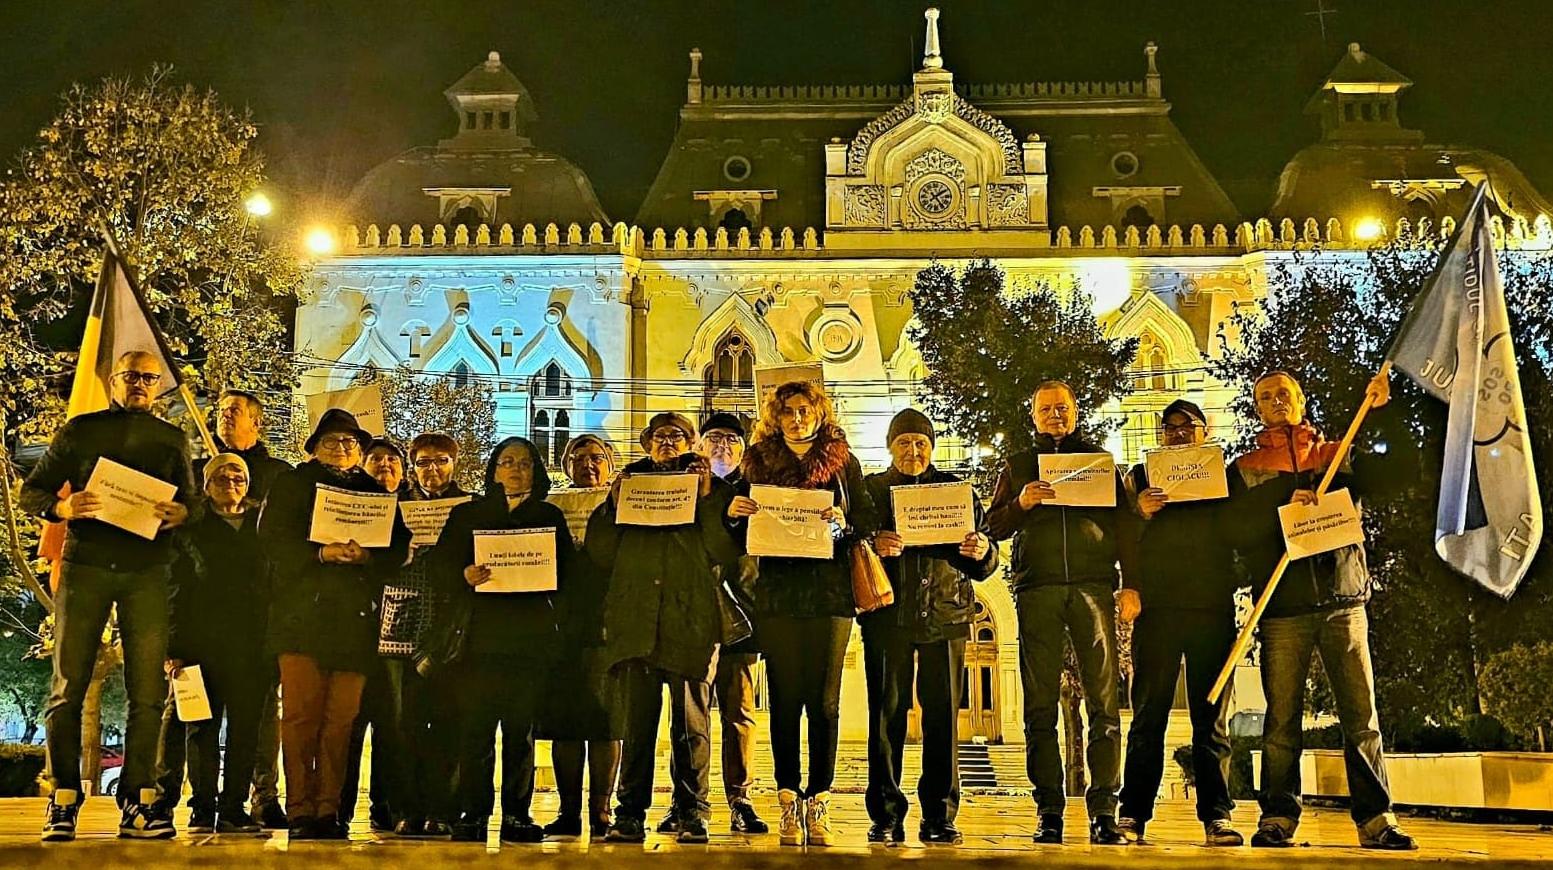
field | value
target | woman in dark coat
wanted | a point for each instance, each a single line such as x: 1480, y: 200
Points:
x: 323, y: 621
x: 508, y: 640
x: 804, y: 607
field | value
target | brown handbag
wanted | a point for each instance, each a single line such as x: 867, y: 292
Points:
x: 871, y: 587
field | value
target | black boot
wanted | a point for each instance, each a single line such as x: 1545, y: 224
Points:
x: 1103, y: 831
x: 1050, y: 829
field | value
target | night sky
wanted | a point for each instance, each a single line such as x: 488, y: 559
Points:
x: 340, y: 85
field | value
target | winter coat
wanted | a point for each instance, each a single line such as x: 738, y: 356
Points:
x: 1056, y: 545
x: 220, y: 599
x: 326, y: 611
x: 417, y: 599
x: 741, y: 578
x: 934, y: 598
x: 810, y: 587
x: 1284, y: 460
x: 1184, y: 558
x: 136, y: 439
x: 661, y: 606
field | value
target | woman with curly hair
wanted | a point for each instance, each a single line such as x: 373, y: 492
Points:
x: 804, y: 607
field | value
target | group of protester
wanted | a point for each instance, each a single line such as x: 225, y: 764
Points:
x: 233, y: 584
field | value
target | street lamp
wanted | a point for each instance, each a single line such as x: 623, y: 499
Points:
x: 319, y: 241
x: 1369, y: 229
x: 259, y: 205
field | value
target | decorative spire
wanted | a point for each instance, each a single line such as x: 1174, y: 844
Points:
x: 493, y: 61
x: 1151, y: 80
x: 932, y: 58
x: 693, y: 86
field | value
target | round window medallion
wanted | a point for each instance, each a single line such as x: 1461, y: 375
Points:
x: 1124, y: 164
x: 935, y: 197
x: 737, y: 168
x: 837, y: 336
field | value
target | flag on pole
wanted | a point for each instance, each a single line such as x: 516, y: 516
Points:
x: 1455, y: 343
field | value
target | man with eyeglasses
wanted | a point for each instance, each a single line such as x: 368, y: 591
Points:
x: 104, y: 567
x: 1181, y: 601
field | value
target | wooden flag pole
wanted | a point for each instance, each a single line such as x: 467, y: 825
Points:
x: 1243, y: 642
x: 199, y: 420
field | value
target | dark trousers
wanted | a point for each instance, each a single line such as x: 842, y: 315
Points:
x: 641, y: 691
x: 492, y: 691
x: 85, y: 597
x: 1048, y: 615
x: 426, y: 736
x: 600, y: 758
x: 804, y: 657
x: 1343, y: 638
x: 235, y: 690
x: 171, y: 758
x: 894, y: 665
x: 315, y: 733
x: 734, y: 684
x: 266, y: 760
x: 1160, y: 638
x: 380, y: 706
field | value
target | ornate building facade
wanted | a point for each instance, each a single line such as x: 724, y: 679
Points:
x: 787, y: 224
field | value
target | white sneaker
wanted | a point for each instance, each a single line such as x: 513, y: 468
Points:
x: 817, y: 819
x: 790, y: 827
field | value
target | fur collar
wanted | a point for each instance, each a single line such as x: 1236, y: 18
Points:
x: 771, y: 461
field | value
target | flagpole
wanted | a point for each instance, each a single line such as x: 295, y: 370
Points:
x: 1243, y: 641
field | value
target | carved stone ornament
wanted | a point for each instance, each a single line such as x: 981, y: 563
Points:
x: 415, y: 291
x: 1007, y: 205
x: 864, y: 205
x: 837, y: 336
x: 935, y: 108
x: 934, y: 161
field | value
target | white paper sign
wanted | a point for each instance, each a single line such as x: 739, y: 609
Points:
x: 1331, y: 524
x: 657, y: 500
x: 578, y: 505
x: 521, y: 560
x: 129, y: 497
x: 189, y: 696
x: 1194, y: 472
x: 1080, y: 479
x: 426, y: 518
x: 340, y: 515
x: 788, y: 523
x: 768, y: 378
x: 364, y: 402
x: 933, y: 513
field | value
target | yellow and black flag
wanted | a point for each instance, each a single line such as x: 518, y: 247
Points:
x: 119, y: 322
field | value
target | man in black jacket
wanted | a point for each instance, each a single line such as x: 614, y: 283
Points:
x: 104, y: 566
x: 1063, y: 573
x: 1181, y: 600
x: 918, y: 641
x: 239, y: 421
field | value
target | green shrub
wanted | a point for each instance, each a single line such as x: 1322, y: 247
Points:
x: 20, y: 766
x: 1514, y: 684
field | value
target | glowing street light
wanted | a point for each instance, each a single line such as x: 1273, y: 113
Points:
x: 319, y: 241
x: 1369, y: 229
x: 259, y: 205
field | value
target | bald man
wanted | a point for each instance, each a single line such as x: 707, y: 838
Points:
x: 104, y: 567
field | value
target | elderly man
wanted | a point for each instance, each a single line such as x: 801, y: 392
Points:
x: 1063, y: 573
x: 1319, y: 605
x: 239, y: 422
x: 662, y: 628
x: 916, y: 646
x: 104, y: 567
x: 1181, y: 599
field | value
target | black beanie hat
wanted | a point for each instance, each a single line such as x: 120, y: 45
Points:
x: 910, y: 422
x: 723, y: 420
x: 1182, y: 406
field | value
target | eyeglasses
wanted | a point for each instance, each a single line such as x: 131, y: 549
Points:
x: 723, y: 438
x: 431, y: 461
x: 229, y: 480
x: 132, y: 377
x: 1183, y: 429
x: 340, y: 442
x: 511, y: 464
x: 669, y: 438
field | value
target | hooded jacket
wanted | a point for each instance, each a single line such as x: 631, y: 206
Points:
x: 1056, y: 545
x: 810, y: 587
x: 1285, y: 459
x: 934, y: 598
x: 521, y: 624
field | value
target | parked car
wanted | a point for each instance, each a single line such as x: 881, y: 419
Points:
x: 112, y: 766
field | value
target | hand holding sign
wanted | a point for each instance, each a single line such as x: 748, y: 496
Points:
x: 131, y: 500
x: 514, y: 560
x: 361, y: 519
x: 657, y: 499
x: 933, y: 513
x: 1079, y: 479
x: 1192, y: 472
x: 1312, y: 526
x: 791, y: 523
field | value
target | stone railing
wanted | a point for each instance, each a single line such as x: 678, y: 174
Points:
x: 682, y: 243
x: 1050, y: 90
x: 896, y: 93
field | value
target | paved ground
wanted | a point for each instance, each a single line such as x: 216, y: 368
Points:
x: 997, y: 829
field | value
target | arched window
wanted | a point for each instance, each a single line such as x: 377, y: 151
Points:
x: 542, y: 432
x: 1159, y: 365
x: 733, y: 220
x: 1137, y: 215
x: 733, y: 364
x: 559, y: 436
x: 551, y: 382
x: 468, y: 216
x: 462, y: 374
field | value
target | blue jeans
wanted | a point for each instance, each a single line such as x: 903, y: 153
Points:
x: 86, y: 596
x: 1343, y: 638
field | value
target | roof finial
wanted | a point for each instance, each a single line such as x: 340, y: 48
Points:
x: 693, y: 86
x: 1151, y: 79
x: 932, y: 58
x: 493, y: 60
x: 1356, y: 51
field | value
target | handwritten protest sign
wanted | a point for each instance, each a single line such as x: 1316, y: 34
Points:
x: 578, y: 505
x: 364, y: 402
x: 1080, y: 479
x: 1330, y: 524
x: 933, y: 513
x: 788, y: 523
x: 426, y: 518
x: 189, y: 696
x: 340, y: 515
x: 657, y: 500
x: 129, y: 497
x: 521, y: 560
x: 1194, y: 472
x: 768, y: 378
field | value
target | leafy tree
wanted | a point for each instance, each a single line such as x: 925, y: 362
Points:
x: 1329, y: 320
x: 415, y: 403
x: 1515, y: 689
x: 985, y: 349
x: 24, y: 676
